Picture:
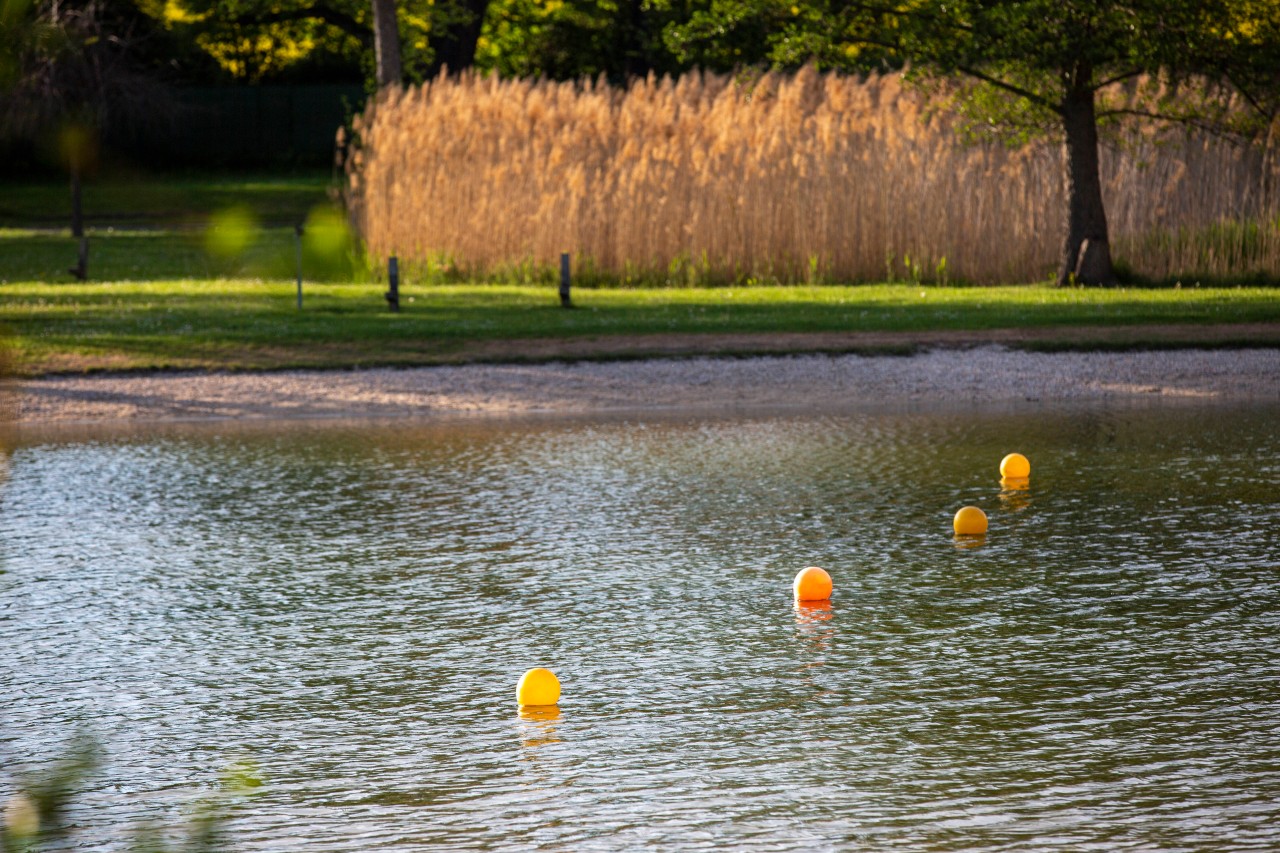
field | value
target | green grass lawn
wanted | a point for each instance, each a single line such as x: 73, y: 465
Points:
x: 124, y: 200
x: 164, y: 294
x: 250, y: 324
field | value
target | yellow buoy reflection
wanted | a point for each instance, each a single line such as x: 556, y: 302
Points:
x: 1015, y: 495
x: 539, y: 713
x: 537, y: 725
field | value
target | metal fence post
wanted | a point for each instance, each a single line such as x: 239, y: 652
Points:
x: 297, y: 245
x: 565, y: 302
x: 393, y: 282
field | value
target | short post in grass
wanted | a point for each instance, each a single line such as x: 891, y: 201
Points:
x: 393, y: 284
x: 565, y: 301
x: 297, y: 245
x: 81, y: 269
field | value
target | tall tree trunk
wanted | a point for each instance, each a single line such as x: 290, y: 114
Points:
x: 635, y: 42
x: 386, y: 43
x: 1086, y: 254
x: 456, y: 45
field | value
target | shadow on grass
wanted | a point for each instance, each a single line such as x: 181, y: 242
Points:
x: 163, y: 201
x: 133, y: 256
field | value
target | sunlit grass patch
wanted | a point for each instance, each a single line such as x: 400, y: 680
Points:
x: 243, y: 323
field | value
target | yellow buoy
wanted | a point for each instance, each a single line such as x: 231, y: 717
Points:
x: 538, y: 686
x: 1015, y: 467
x: 970, y: 521
x: 812, y: 584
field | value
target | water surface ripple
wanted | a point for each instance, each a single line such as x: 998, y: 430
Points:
x: 350, y: 607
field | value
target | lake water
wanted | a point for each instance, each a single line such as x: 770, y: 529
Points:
x: 349, y: 606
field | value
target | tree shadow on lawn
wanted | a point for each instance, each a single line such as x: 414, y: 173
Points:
x: 163, y: 202
x: 138, y: 256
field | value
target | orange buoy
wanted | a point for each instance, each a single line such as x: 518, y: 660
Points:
x: 812, y: 584
x: 538, y: 686
x: 1015, y: 466
x: 969, y: 521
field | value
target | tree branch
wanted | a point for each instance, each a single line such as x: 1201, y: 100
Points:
x: 1119, y: 78
x: 1216, y: 128
x: 1245, y: 93
x: 1038, y: 100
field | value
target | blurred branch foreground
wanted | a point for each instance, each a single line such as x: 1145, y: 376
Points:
x: 788, y: 178
x: 37, y: 814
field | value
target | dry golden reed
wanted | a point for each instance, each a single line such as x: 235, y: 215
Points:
x: 797, y: 177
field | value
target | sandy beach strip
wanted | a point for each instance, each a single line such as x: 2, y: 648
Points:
x: 981, y: 374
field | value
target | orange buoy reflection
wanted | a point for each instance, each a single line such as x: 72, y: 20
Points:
x: 813, y: 620
x: 539, y: 713
x: 1016, y: 493
x: 538, y: 725
x: 811, y: 612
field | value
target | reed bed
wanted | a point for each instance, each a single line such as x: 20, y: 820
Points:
x: 801, y: 177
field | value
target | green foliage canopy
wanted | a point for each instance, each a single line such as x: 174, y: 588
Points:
x: 568, y: 39
x: 1034, y: 67
x: 259, y: 39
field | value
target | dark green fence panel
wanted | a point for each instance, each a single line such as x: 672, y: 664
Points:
x: 253, y: 126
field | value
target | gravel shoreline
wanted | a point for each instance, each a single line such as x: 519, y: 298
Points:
x: 983, y: 374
